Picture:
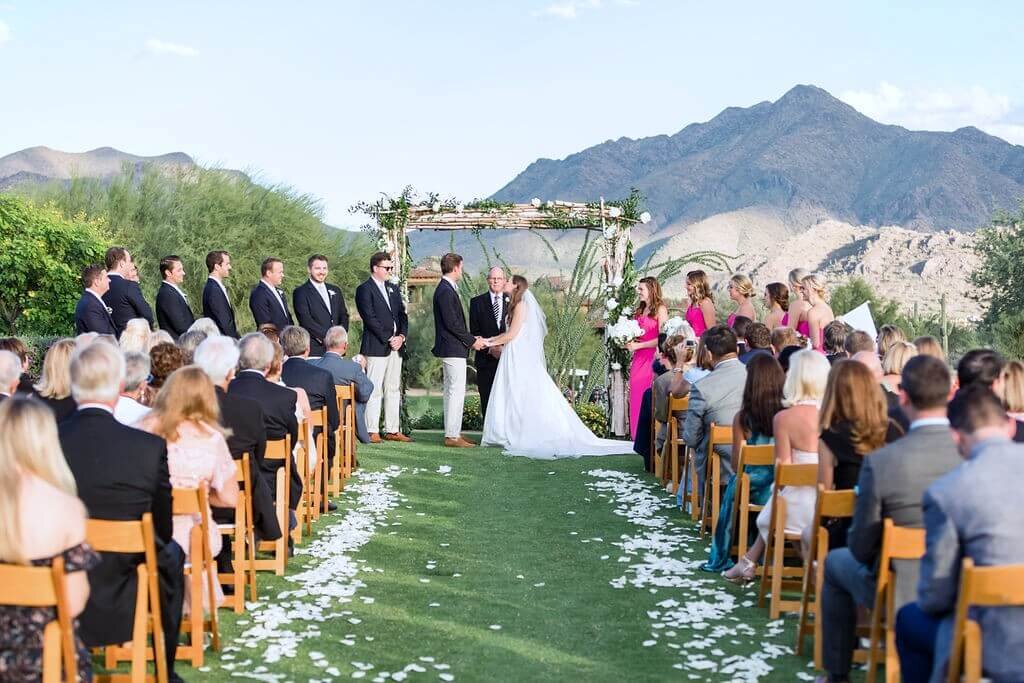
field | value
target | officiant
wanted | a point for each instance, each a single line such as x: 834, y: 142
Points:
x: 487, y: 319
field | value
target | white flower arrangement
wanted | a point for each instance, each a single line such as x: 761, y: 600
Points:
x: 610, y: 232
x: 614, y: 211
x: 436, y: 207
x: 459, y: 208
x: 672, y: 325
x: 536, y: 202
x: 645, y: 217
x: 550, y: 204
x: 627, y: 310
x: 611, y: 304
x: 624, y: 331
x: 617, y: 282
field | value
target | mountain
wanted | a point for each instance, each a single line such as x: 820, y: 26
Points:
x: 37, y: 165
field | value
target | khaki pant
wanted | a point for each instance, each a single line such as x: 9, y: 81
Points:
x: 454, y: 395
x: 386, y: 374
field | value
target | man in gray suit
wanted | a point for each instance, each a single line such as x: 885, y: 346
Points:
x: 891, y: 482
x: 716, y: 398
x: 973, y: 511
x: 345, y: 372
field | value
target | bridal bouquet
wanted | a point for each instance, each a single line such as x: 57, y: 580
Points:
x: 624, y: 331
x: 672, y: 325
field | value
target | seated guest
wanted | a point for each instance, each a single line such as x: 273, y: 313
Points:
x: 784, y: 337
x: 759, y: 341
x: 163, y: 360
x: 18, y: 348
x: 1011, y: 390
x: 10, y: 374
x: 887, y: 336
x: 186, y: 415
x: 972, y: 511
x: 661, y: 387
x: 762, y: 399
x: 890, y: 485
x: 786, y: 354
x: 43, y: 520
x: 302, y: 409
x: 132, y: 405
x: 984, y: 367
x: 892, y: 364
x: 796, y: 432
x: 347, y: 372
x: 188, y: 342
x: 858, y: 341
x: 206, y: 326
x: 157, y: 337
x: 270, y: 331
x: 135, y: 337
x: 54, y: 385
x: 835, y: 339
x: 930, y: 346
x: 121, y: 473
x: 740, y: 326
x: 694, y: 361
x: 870, y: 360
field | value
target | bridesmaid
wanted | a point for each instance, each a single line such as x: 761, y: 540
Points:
x: 701, y: 311
x: 798, y: 308
x: 819, y: 314
x: 741, y: 290
x: 776, y: 301
x: 651, y: 313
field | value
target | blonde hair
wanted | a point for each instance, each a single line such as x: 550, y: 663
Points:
x: 135, y: 337
x: 55, y: 382
x: 742, y: 284
x: 1013, y: 387
x: 28, y: 446
x: 796, y: 277
x: 187, y: 396
x: 806, y: 379
x: 897, y: 356
x: 929, y: 346
x: 887, y: 336
x: 816, y: 282
x: 701, y: 286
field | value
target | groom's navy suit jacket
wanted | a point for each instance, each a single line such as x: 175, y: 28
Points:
x: 451, y: 338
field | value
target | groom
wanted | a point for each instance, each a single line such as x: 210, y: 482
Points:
x: 452, y: 342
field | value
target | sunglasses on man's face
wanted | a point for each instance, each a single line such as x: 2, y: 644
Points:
x: 387, y: 268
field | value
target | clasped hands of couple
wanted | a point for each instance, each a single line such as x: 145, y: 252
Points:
x: 479, y: 344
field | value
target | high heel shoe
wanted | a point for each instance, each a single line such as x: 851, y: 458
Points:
x: 743, y: 571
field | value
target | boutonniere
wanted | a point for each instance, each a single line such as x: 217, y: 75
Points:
x: 330, y: 292
x: 110, y: 311
x: 279, y: 291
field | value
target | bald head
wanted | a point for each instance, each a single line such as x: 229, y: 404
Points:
x: 496, y: 279
x: 870, y: 360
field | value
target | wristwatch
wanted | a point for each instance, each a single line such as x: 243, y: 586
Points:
x: 677, y: 369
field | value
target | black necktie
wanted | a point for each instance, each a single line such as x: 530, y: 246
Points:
x: 497, y: 310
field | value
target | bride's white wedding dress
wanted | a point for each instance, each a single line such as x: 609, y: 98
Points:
x: 527, y: 414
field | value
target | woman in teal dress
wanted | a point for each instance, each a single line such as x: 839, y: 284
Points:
x: 762, y: 398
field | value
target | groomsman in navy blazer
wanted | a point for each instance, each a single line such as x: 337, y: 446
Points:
x: 91, y: 313
x: 318, y: 306
x: 172, y: 308
x: 266, y: 300
x: 216, y: 305
x: 124, y: 298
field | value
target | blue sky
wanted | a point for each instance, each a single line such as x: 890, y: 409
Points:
x: 346, y: 99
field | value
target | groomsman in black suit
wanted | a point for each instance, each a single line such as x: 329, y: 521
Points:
x: 91, y: 312
x: 216, y: 305
x: 172, y: 308
x: 318, y: 306
x: 487, y: 319
x: 124, y: 298
x: 266, y: 300
x: 385, y: 326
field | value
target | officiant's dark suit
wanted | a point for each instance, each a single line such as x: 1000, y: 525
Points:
x: 217, y: 308
x: 91, y: 316
x: 314, y: 315
x: 172, y: 311
x: 482, y: 323
x: 267, y: 309
x: 126, y: 302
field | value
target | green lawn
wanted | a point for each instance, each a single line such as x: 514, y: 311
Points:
x: 501, y: 569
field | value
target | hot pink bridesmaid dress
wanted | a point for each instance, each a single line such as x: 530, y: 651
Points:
x: 641, y: 372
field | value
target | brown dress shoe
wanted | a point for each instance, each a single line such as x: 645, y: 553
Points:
x: 375, y: 438
x: 457, y: 443
x: 466, y: 443
x: 397, y: 436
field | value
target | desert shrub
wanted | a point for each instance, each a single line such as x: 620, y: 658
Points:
x: 428, y: 419
x: 593, y: 415
x: 472, y: 418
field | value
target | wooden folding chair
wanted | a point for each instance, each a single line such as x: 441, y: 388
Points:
x: 656, y: 457
x: 782, y: 577
x: 279, y: 449
x: 303, y: 507
x: 674, y: 444
x: 134, y: 537
x: 200, y: 575
x: 998, y: 586
x: 717, y: 436
x: 28, y: 586
x: 318, y: 493
x: 898, y: 543
x: 830, y: 505
x: 750, y: 456
x: 345, y: 443
x: 243, y: 542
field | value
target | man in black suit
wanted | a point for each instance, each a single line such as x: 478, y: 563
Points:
x: 277, y: 402
x: 216, y: 305
x: 91, y: 312
x: 121, y: 473
x: 318, y: 305
x: 172, y: 308
x: 487, y: 319
x: 452, y: 342
x: 266, y: 300
x: 124, y: 298
x: 297, y: 371
x: 385, y: 326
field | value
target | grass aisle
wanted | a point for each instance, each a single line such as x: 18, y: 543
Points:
x: 501, y: 569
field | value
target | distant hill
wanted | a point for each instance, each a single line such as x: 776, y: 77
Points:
x: 41, y: 164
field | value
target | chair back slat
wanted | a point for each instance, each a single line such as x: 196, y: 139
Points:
x: 901, y: 542
x: 719, y: 436
x: 836, y: 503
x: 345, y: 392
x: 678, y: 405
x: 756, y: 455
x: 997, y: 586
x: 186, y: 501
x: 793, y: 474
x: 107, y: 536
x: 28, y: 586
x: 279, y: 449
x: 318, y: 417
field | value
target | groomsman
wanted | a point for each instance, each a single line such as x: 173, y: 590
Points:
x: 124, y: 298
x: 385, y: 326
x: 318, y: 306
x: 266, y: 300
x: 487, y: 319
x: 92, y: 313
x: 172, y: 308
x: 216, y: 305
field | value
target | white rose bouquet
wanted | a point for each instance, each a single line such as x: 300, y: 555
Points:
x: 672, y: 325
x: 624, y: 331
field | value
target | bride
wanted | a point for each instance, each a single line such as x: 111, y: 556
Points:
x: 527, y: 414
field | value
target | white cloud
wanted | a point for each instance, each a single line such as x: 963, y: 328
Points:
x: 939, y: 108
x: 161, y: 47
x: 570, y: 9
x: 5, y: 33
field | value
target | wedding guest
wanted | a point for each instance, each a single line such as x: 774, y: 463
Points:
x: 302, y: 407
x: 890, y: 486
x: 835, y: 340
x: 798, y: 308
x: 661, y: 387
x: 759, y: 341
x: 347, y: 372
x: 91, y: 312
x: 1011, y: 390
x: 84, y: 339
x: 10, y: 374
x: 204, y: 326
x: 158, y: 337
x: 385, y: 326
x: 776, y: 303
x: 318, y: 306
x: 701, y: 311
x: 930, y: 346
x: 173, y: 311
x: 266, y: 300
x: 693, y: 362
x: 741, y: 292
x: 887, y: 336
x: 164, y: 359
x: 796, y: 430
x: 970, y: 512
x: 650, y: 313
x: 786, y: 354
x: 124, y: 298
x: 187, y: 416
x: 270, y: 332
x: 893, y: 361
x: 42, y: 520
x: 782, y: 337
x: 487, y: 319
x: 18, y: 348
x: 741, y: 327
x: 135, y: 336
x: 857, y: 341
x: 980, y: 366
x: 188, y: 343
x: 753, y: 424
x: 216, y: 302
x: 819, y: 314
x: 869, y: 359
x: 131, y: 406
x: 54, y: 385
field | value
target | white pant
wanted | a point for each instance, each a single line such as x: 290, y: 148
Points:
x: 386, y: 374
x: 454, y: 395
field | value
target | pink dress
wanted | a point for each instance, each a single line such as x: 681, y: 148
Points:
x: 695, y: 317
x: 641, y: 374
x: 731, y: 320
x: 785, y: 320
